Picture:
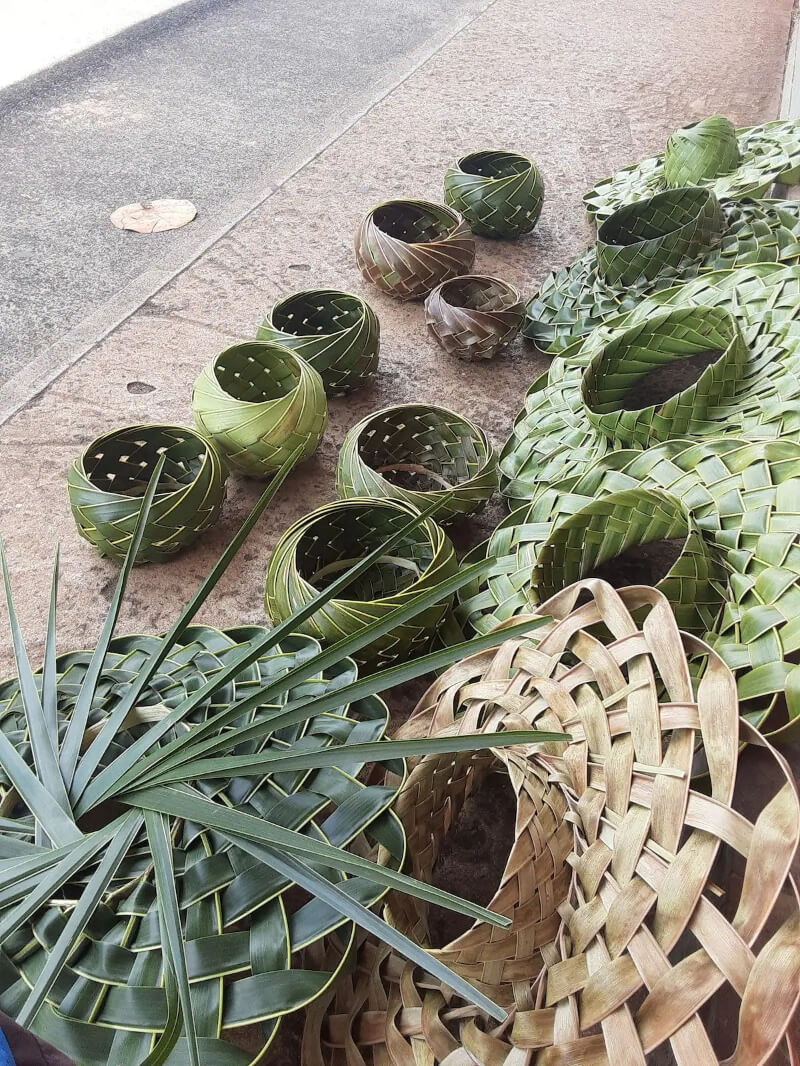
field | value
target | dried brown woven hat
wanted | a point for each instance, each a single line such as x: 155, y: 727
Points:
x: 407, y: 247
x: 642, y: 908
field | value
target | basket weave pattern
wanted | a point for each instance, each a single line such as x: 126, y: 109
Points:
x: 336, y: 333
x: 643, y: 943
x: 751, y: 389
x: 763, y: 155
x: 408, y: 247
x: 621, y: 270
x: 107, y: 482
x: 500, y: 194
x: 328, y: 540
x: 419, y: 454
x: 258, y: 403
x: 474, y: 316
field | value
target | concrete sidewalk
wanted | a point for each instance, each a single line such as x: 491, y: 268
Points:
x: 583, y: 93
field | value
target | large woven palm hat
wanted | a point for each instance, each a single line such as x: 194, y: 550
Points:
x: 712, y: 154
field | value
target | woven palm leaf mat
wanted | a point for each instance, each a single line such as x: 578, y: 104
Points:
x: 622, y: 945
x: 109, y: 1004
x: 737, y: 504
x: 711, y: 153
x: 652, y: 245
x: 744, y: 322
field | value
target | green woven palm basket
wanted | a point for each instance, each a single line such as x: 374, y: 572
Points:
x: 419, y: 454
x: 711, y: 153
x: 500, y: 194
x: 651, y: 245
x: 322, y: 544
x: 408, y: 247
x: 337, y: 333
x: 259, y: 403
x: 741, y: 497
x: 107, y: 482
x: 715, y: 357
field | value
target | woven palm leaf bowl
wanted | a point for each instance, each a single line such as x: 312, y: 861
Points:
x: 408, y: 247
x: 337, y: 333
x: 107, y: 482
x: 325, y: 542
x: 259, y: 403
x: 654, y: 244
x: 499, y: 193
x: 712, y: 154
x: 474, y: 316
x: 419, y: 454
x: 645, y: 912
x: 245, y: 928
x: 717, y: 356
x: 737, y: 575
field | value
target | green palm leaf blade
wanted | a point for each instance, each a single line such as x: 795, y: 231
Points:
x: 157, y: 828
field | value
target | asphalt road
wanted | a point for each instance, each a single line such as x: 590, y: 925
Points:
x: 214, y: 102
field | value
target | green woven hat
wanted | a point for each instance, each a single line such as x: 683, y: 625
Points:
x: 711, y: 153
x: 107, y: 482
x: 408, y: 247
x: 651, y: 245
x: 739, y: 575
x: 322, y: 544
x: 419, y: 454
x: 726, y: 349
x: 336, y: 332
x: 499, y: 193
x: 259, y: 402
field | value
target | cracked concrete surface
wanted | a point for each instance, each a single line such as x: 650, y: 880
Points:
x: 584, y: 88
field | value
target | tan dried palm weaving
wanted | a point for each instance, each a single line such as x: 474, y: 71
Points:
x: 644, y: 937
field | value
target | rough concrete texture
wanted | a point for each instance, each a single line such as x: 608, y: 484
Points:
x: 584, y: 88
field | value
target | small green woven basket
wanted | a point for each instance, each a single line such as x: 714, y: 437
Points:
x: 419, y: 454
x: 499, y: 193
x: 322, y: 544
x: 107, y: 482
x: 474, y: 316
x: 408, y: 247
x: 336, y: 332
x: 259, y: 403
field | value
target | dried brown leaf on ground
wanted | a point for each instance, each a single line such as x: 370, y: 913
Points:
x: 153, y: 216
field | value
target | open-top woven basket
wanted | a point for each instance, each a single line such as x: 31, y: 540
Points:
x: 732, y: 163
x: 419, y: 454
x: 499, y: 193
x: 644, y: 911
x: 107, y: 482
x: 626, y: 385
x: 653, y: 244
x: 325, y: 542
x: 260, y: 402
x: 336, y: 332
x: 407, y: 247
x: 475, y: 315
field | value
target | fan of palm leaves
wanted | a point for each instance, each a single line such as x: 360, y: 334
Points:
x: 163, y: 802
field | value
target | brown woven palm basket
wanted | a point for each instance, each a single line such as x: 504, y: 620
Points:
x: 652, y: 920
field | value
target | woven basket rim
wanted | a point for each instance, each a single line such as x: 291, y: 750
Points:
x: 702, y: 197
x: 303, y: 294
x: 441, y: 214
x: 281, y: 352
x: 428, y: 531
x: 208, y: 455
x: 477, y: 433
x: 503, y: 153
x: 511, y: 292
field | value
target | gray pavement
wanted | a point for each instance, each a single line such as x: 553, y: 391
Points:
x: 217, y: 102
